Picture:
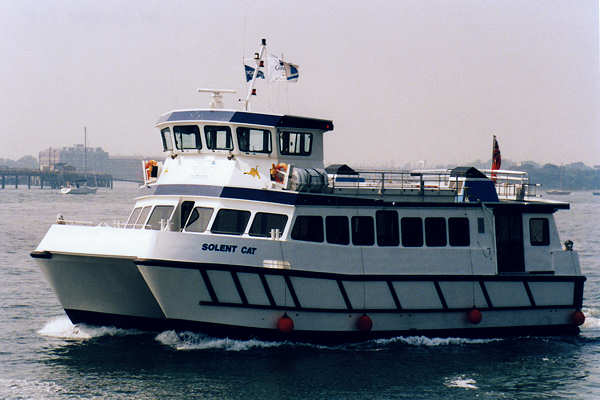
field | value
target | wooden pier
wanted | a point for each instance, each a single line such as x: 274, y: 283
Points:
x: 50, y: 179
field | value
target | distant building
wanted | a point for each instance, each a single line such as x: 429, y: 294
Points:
x: 82, y: 159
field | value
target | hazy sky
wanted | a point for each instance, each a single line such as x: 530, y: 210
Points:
x: 402, y: 80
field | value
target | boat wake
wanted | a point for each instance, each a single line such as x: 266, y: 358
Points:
x: 187, y: 341
x: 592, y: 319
x: 62, y: 328
x: 462, y: 382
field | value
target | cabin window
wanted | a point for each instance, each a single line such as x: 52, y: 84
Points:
x: 458, y: 229
x: 295, y: 143
x: 159, y: 214
x: 186, y: 209
x: 187, y: 137
x: 230, y: 222
x: 387, y: 228
x: 539, y: 232
x: 363, y: 232
x: 336, y: 229
x: 165, y: 135
x: 254, y: 140
x: 412, y: 232
x: 133, y: 217
x: 435, y: 232
x: 142, y: 218
x: 218, y: 137
x: 308, y: 228
x: 264, y: 222
x: 199, y: 219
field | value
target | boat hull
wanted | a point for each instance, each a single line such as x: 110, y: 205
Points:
x: 111, y: 286
x: 239, y: 301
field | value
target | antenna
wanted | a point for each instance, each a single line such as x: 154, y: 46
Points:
x: 216, y: 100
x: 259, y: 61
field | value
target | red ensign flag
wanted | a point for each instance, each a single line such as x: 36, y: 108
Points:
x: 496, y: 159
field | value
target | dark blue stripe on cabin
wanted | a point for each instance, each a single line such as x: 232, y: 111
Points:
x: 240, y: 117
x: 313, y: 199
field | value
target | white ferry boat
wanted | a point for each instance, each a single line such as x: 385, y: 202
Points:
x: 245, y: 233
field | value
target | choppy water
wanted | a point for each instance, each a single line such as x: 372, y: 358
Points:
x: 43, y: 356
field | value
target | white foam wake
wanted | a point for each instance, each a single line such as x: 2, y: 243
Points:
x: 61, y: 327
x: 198, y: 341
x: 592, y: 318
x: 425, y: 341
x: 462, y: 382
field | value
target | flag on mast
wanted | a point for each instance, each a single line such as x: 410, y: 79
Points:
x: 496, y: 158
x: 250, y: 72
x: 280, y: 70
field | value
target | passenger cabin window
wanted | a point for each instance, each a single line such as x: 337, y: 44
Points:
x: 295, y: 143
x: 264, y: 222
x: 308, y: 228
x: 363, y: 232
x: 165, y: 135
x: 412, y: 232
x: 186, y: 209
x: 387, y: 228
x: 159, y: 214
x: 254, y: 140
x: 199, y: 219
x: 187, y: 137
x: 539, y: 232
x: 133, y: 217
x: 458, y: 229
x: 230, y: 222
x: 435, y: 232
x: 142, y: 218
x: 218, y: 137
x: 337, y: 230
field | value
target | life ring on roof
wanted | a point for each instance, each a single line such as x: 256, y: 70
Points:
x: 149, y: 166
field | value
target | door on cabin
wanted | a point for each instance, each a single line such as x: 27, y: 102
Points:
x: 509, y: 241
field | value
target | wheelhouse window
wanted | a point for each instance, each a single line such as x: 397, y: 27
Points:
x: 199, y: 219
x: 308, y: 228
x: 218, y: 137
x: 133, y: 217
x: 435, y: 232
x: 160, y: 215
x: 186, y: 209
x: 387, y: 228
x: 187, y: 137
x: 139, y: 223
x: 412, y: 232
x: 165, y: 135
x: 337, y: 230
x: 363, y: 232
x: 539, y: 232
x: 230, y: 222
x: 295, y: 143
x: 458, y: 230
x: 264, y: 222
x: 254, y: 140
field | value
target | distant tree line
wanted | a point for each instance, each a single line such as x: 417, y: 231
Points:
x: 23, y: 162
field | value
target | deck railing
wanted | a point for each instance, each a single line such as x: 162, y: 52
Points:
x: 386, y: 180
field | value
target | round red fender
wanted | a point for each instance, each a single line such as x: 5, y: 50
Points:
x: 364, y: 323
x: 285, y: 324
x: 474, y: 316
x: 578, y: 317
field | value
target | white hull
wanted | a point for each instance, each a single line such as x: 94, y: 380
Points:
x: 78, y: 190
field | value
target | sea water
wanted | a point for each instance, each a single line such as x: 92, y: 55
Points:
x: 44, y: 356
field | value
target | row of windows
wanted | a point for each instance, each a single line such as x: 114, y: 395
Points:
x: 339, y: 229
x: 196, y: 219
x: 363, y: 231
x: 187, y: 137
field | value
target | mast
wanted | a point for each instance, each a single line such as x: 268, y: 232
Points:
x: 259, y: 63
x: 85, y: 153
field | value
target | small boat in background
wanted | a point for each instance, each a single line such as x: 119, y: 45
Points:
x: 78, y: 189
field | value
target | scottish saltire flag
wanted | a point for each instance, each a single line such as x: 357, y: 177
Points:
x: 280, y: 70
x: 250, y: 72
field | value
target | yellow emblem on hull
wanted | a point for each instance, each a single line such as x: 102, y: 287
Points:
x: 253, y: 172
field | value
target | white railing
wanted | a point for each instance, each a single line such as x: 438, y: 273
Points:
x: 387, y: 180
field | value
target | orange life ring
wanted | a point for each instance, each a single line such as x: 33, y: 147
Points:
x: 278, y: 171
x: 148, y: 167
